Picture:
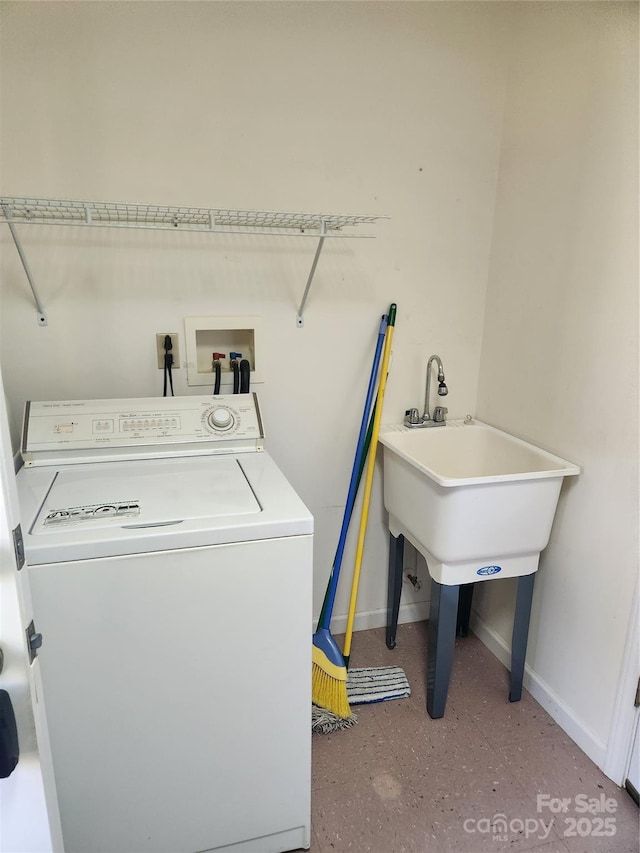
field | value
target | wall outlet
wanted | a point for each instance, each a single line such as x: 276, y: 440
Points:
x: 175, y: 350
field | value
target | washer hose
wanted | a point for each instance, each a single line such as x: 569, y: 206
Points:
x: 168, y: 364
x: 217, y: 369
x: 245, y: 373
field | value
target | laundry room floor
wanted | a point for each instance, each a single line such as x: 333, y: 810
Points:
x: 399, y: 781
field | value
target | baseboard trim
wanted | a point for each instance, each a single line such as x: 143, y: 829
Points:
x: 415, y: 612
x: 542, y: 693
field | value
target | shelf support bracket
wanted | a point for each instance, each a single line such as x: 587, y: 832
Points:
x: 42, y: 317
x: 323, y: 232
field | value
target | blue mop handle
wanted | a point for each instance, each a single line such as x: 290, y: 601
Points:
x: 327, y: 609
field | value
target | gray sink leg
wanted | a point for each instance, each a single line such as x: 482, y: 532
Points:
x: 442, y: 640
x: 464, y: 609
x: 396, y: 562
x: 520, y: 634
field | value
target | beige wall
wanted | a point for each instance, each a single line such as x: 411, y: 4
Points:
x: 383, y: 108
x: 560, y: 347
x: 374, y: 108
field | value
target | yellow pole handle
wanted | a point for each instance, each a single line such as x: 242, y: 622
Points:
x: 371, y: 463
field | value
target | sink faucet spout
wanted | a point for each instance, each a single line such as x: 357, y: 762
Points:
x: 440, y: 411
x: 413, y: 419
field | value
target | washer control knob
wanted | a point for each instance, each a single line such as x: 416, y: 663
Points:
x: 220, y: 419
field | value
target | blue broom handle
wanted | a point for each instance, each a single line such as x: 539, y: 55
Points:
x: 327, y: 608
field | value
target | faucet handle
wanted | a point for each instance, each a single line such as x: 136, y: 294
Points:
x: 412, y: 416
x: 439, y: 414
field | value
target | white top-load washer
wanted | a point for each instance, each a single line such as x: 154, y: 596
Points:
x: 170, y: 566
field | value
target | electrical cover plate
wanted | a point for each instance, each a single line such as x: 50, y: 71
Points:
x: 175, y: 349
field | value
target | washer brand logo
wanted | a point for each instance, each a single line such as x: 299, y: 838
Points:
x: 489, y: 570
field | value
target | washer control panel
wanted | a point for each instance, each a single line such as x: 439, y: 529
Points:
x: 86, y: 430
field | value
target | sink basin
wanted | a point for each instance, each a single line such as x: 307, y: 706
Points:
x: 476, y: 502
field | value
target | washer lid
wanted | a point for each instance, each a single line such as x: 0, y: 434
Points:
x: 122, y: 508
x: 138, y: 495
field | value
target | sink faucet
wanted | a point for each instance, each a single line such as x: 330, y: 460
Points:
x: 438, y: 418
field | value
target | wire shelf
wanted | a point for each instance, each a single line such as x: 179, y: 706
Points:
x: 41, y: 211
x: 44, y: 211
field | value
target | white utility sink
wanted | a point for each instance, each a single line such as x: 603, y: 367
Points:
x: 476, y: 502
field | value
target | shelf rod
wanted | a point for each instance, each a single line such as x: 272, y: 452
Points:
x: 300, y: 318
x: 42, y: 317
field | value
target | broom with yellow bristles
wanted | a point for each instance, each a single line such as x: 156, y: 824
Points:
x: 369, y: 676
x: 329, y: 671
